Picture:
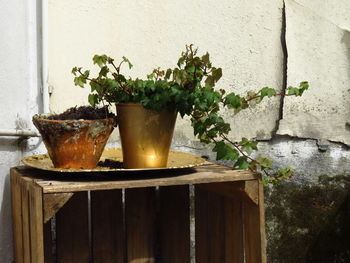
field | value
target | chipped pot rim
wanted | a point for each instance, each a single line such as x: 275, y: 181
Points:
x: 44, y: 116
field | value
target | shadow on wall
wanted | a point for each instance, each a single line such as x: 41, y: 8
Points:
x: 309, y: 222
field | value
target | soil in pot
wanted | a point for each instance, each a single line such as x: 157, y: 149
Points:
x: 76, y: 138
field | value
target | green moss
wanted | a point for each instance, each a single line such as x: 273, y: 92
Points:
x: 297, y: 216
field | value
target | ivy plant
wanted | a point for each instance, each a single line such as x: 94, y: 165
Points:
x: 188, y: 88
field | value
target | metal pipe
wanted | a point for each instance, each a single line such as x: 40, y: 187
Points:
x: 19, y: 133
x: 44, y: 56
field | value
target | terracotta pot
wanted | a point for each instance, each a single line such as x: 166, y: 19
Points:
x: 145, y: 135
x: 74, y: 143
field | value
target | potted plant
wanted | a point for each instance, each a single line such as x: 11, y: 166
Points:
x: 188, y: 89
x: 76, y: 138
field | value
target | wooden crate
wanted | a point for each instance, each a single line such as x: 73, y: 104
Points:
x: 138, y: 218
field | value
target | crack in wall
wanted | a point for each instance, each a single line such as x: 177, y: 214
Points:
x: 284, y: 69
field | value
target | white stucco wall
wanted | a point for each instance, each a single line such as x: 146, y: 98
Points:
x: 19, y: 99
x: 243, y: 37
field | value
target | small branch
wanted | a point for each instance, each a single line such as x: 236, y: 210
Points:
x: 81, y: 74
x: 244, y: 154
x: 114, y: 66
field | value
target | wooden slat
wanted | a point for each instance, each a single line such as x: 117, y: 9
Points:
x: 140, y: 224
x: 240, y: 189
x: 16, y: 216
x: 72, y: 230
x: 48, y: 243
x: 36, y: 223
x: 233, y: 232
x: 108, y: 234
x: 203, y: 174
x: 53, y: 203
x: 254, y: 230
x: 219, y: 227
x: 210, y: 237
x: 175, y: 224
x: 25, y: 222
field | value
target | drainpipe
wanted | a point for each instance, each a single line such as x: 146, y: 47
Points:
x: 19, y: 133
x: 44, y: 56
x: 44, y: 74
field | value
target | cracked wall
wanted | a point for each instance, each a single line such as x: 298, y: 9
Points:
x: 318, y: 49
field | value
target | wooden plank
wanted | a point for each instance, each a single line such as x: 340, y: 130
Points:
x: 254, y: 229
x: 203, y: 174
x: 25, y: 221
x: 16, y: 216
x: 140, y: 209
x: 233, y: 231
x: 108, y: 233
x: 210, y: 235
x: 53, y: 203
x: 240, y: 189
x: 72, y: 231
x: 48, y: 243
x: 262, y: 222
x: 219, y: 226
x: 174, y: 224
x: 36, y: 224
x: 251, y: 188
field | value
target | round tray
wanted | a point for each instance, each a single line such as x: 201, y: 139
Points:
x: 111, y: 160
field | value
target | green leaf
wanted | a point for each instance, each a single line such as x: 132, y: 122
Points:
x: 86, y: 74
x: 225, y: 151
x: 303, y: 86
x: 285, y: 173
x: 94, y: 86
x: 265, y: 162
x: 210, y: 81
x: 80, y: 81
x: 205, y: 58
x: 100, y: 60
x: 74, y: 71
x: 265, y: 180
x: 103, y: 72
x: 191, y: 69
x: 242, y: 163
x: 267, y: 92
x: 168, y: 73
x: 181, y: 61
x: 293, y: 91
x: 151, y: 76
x: 248, y: 146
x: 127, y: 61
x: 217, y: 74
x: 93, y: 99
x: 233, y: 101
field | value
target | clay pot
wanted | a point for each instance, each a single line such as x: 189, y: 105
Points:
x: 145, y: 135
x: 74, y: 143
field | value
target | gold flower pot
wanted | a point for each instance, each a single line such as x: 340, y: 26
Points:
x: 145, y: 135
